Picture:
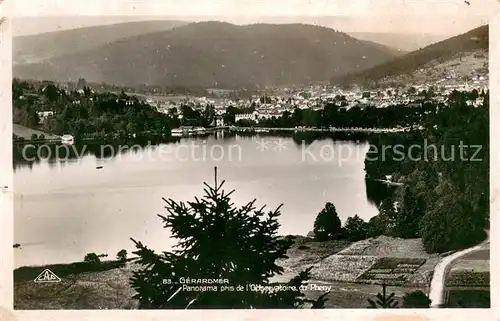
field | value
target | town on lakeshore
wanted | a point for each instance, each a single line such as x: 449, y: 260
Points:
x: 389, y: 210
x: 256, y: 112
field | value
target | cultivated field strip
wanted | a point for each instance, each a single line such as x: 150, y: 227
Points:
x: 345, y: 268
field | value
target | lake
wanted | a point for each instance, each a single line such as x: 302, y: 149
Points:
x: 66, y: 208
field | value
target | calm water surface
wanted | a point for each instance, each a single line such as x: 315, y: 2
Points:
x: 66, y: 209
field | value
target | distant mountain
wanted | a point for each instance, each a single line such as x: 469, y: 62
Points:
x: 36, y: 48
x: 388, y: 49
x: 33, y: 25
x: 216, y: 53
x: 405, y: 42
x: 473, y: 40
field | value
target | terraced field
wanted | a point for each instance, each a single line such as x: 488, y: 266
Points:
x: 395, y: 271
x: 384, y: 246
x: 345, y: 268
x: 466, y: 278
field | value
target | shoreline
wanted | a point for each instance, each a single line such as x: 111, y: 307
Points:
x: 306, y: 245
x: 112, y: 261
x: 52, y: 138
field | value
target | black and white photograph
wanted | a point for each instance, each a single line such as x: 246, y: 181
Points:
x: 240, y: 161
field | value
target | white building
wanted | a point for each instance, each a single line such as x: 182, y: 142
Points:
x: 219, y: 121
x: 67, y: 139
x: 44, y: 114
x: 244, y: 116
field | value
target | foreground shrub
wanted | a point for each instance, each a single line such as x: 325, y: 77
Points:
x: 415, y: 300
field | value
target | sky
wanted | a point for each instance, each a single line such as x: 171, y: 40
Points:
x: 443, y: 17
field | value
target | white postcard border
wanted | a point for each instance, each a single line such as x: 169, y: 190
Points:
x: 254, y: 7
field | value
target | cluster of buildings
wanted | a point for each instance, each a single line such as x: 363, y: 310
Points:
x: 278, y: 101
x: 275, y: 101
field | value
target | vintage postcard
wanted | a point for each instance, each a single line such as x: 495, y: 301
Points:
x: 237, y: 155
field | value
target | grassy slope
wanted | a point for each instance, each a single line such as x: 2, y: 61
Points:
x: 29, y: 273
x: 84, y: 288
x: 26, y: 132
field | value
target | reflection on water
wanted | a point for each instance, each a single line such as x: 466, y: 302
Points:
x: 67, y: 208
x: 29, y: 154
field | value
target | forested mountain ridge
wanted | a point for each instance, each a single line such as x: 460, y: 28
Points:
x: 477, y: 39
x: 216, y: 53
x: 36, y: 48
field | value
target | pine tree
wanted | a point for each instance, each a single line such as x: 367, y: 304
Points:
x: 217, y: 240
x: 355, y: 229
x: 383, y: 301
x: 327, y: 225
x: 408, y: 218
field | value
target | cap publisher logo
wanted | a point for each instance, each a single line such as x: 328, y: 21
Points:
x: 47, y: 276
